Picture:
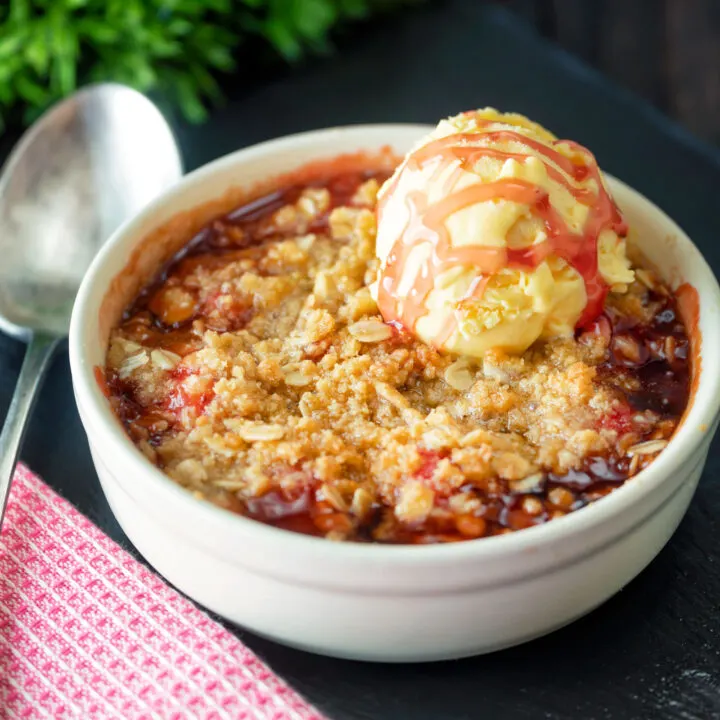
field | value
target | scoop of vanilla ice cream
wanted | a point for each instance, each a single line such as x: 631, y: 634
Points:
x: 493, y: 234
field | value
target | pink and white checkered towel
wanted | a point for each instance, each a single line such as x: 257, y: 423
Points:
x: 86, y: 631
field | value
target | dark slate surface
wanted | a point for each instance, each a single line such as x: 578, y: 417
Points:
x: 654, y: 650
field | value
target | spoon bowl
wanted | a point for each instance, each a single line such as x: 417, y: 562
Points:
x: 87, y: 165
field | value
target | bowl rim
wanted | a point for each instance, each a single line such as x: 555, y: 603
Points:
x: 103, y: 428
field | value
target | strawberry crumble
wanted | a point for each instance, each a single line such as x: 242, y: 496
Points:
x: 257, y: 372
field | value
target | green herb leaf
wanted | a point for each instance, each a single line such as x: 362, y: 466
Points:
x: 282, y: 37
x: 97, y: 31
x: 9, y: 45
x: 31, y: 91
x: 189, y: 99
x: 313, y: 18
x: 355, y: 9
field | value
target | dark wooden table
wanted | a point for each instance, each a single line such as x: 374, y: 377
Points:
x: 653, y: 651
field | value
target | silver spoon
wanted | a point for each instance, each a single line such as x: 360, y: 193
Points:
x: 91, y: 162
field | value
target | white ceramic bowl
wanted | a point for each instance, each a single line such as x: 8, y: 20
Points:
x: 373, y: 602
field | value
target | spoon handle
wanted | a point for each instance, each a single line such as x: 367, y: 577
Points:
x: 38, y: 354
